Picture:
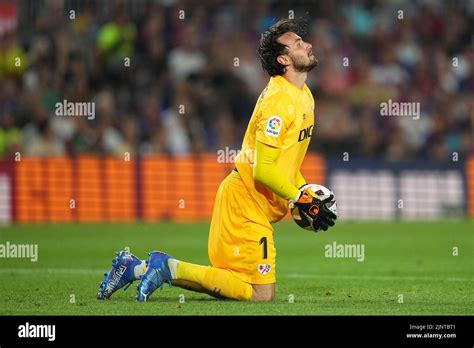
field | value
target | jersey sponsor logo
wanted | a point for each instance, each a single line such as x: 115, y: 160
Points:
x: 264, y: 268
x: 305, y: 133
x: 274, y: 126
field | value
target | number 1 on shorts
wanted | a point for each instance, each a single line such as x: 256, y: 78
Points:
x: 264, y: 241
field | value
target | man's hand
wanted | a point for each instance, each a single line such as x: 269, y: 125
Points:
x: 315, y: 210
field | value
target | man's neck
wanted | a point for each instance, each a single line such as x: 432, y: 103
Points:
x: 296, y: 78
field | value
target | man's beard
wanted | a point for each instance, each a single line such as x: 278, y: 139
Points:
x: 301, y: 65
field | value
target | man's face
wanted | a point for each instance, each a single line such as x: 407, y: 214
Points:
x: 300, y: 55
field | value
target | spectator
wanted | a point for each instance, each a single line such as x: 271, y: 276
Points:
x: 205, y: 59
x: 45, y: 145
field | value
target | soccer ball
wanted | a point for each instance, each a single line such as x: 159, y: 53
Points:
x: 322, y: 192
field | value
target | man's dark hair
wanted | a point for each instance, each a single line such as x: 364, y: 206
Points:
x: 270, y: 49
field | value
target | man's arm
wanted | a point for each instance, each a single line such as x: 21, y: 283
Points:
x: 266, y: 172
x: 300, y: 181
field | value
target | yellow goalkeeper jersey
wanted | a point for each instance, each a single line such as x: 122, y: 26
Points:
x: 284, y: 118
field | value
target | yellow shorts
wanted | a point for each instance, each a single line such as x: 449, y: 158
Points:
x: 241, y: 237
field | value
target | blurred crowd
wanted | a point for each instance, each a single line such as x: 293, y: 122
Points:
x: 180, y: 77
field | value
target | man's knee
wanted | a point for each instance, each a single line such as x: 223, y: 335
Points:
x: 263, y: 292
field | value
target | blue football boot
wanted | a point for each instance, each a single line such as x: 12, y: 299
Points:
x: 158, y: 273
x: 121, y: 274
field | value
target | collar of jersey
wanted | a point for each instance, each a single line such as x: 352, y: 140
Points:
x: 281, y: 80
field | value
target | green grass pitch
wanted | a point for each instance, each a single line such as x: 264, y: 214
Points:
x: 414, y: 260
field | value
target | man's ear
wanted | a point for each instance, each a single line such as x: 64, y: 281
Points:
x: 283, y: 60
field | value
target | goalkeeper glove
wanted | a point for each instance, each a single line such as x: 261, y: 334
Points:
x: 314, y: 209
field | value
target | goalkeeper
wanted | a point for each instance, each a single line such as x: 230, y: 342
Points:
x: 255, y: 194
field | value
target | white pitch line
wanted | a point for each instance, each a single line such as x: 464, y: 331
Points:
x: 90, y: 271
x: 68, y: 271
x: 374, y: 277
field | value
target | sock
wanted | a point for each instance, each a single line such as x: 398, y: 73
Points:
x: 191, y: 286
x: 139, y: 270
x: 173, y: 265
x: 220, y: 282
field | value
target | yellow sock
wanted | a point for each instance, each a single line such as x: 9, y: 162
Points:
x: 186, y: 284
x: 192, y: 286
x: 220, y: 282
